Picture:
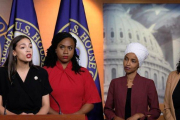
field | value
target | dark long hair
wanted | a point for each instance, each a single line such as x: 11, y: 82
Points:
x: 178, y: 67
x: 11, y: 62
x: 51, y: 58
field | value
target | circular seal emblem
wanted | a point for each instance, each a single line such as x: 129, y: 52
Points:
x: 3, y: 29
x: 23, y: 27
x: 84, y: 47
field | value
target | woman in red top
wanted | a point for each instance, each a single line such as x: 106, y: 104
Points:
x: 73, y: 86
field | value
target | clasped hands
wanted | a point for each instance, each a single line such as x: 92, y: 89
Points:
x: 134, y: 117
x: 23, y: 113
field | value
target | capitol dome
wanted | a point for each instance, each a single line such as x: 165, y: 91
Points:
x: 119, y: 30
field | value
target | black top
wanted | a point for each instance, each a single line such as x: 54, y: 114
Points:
x: 128, y: 104
x: 176, y: 101
x: 19, y: 96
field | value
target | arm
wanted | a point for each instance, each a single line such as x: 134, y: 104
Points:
x: 2, y: 108
x: 153, y: 103
x: 3, y: 77
x: 167, y: 110
x: 46, y: 91
x: 45, y: 105
x: 136, y: 116
x: 91, y: 94
x: 85, y: 109
x: 117, y: 118
x: 51, y: 111
x: 109, y: 105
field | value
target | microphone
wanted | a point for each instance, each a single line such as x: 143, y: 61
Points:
x: 52, y: 98
x: 5, y: 107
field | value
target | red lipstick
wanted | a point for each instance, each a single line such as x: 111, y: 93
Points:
x: 65, y: 57
x: 28, y: 55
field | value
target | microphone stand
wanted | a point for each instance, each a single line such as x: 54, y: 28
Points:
x: 5, y: 108
x: 56, y: 103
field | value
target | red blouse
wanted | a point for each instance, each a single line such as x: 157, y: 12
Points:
x: 71, y: 90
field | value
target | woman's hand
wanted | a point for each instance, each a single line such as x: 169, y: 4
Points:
x: 23, y: 113
x: 30, y: 114
x: 45, y: 105
x: 85, y: 109
x: 136, y: 116
x: 117, y: 118
x: 51, y: 111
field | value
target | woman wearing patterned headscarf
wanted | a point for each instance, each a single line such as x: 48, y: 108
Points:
x: 130, y: 96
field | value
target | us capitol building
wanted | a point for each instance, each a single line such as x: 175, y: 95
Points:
x: 119, y: 30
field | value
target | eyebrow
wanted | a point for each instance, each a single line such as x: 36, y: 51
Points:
x: 129, y: 58
x: 25, y: 44
x: 67, y: 46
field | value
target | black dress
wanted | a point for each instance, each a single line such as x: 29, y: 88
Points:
x: 176, y: 101
x: 128, y: 104
x: 19, y: 96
